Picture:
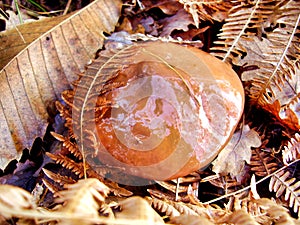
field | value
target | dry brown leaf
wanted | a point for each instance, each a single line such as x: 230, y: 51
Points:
x: 34, y: 73
x: 169, y: 7
x: 180, y: 21
x: 232, y: 158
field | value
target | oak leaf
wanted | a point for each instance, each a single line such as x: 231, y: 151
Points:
x: 232, y: 158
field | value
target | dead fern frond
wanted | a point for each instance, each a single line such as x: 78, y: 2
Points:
x: 163, y: 207
x: 174, y: 209
x: 245, y: 20
x: 62, y: 180
x: 239, y: 217
x: 181, y: 184
x: 262, y: 162
x: 282, y: 183
x: 280, y: 64
x: 70, y: 146
x: 66, y: 162
x: 227, y: 183
x: 137, y: 208
x: 291, y: 152
x: 83, y: 197
x: 183, y: 209
x: 277, y: 213
x: 191, y: 220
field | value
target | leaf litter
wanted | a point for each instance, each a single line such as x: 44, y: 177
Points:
x: 262, y: 123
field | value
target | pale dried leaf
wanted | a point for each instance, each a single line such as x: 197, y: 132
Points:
x: 276, y: 212
x: 191, y: 220
x: 13, y: 200
x: 232, y: 158
x: 83, y: 197
x: 34, y: 73
x: 240, y: 217
x: 14, y: 19
x: 137, y: 208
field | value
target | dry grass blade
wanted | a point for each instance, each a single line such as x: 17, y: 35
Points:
x: 34, y: 73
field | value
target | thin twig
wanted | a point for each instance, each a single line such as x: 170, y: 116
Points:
x: 248, y: 187
x: 67, y: 7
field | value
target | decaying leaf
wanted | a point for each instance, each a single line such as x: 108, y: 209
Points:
x: 14, y: 19
x: 191, y: 220
x: 13, y: 200
x: 169, y: 7
x: 180, y: 21
x: 137, y: 208
x: 83, y: 197
x: 232, y: 158
x: 207, y: 9
x: 34, y: 71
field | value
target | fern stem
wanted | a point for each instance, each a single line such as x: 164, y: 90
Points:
x: 248, y: 187
x: 281, y: 60
x: 241, y: 33
x: 82, y: 110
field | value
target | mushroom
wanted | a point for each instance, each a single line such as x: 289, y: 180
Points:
x: 156, y: 110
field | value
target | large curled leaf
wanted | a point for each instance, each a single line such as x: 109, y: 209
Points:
x: 34, y: 73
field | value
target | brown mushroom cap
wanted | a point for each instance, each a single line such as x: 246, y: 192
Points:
x: 171, y: 110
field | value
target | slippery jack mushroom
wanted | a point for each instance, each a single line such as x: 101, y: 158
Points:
x: 157, y: 110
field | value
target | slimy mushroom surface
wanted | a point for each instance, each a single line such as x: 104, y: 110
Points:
x: 156, y: 110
